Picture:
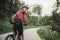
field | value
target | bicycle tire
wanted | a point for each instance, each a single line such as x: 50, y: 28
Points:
x: 11, y: 36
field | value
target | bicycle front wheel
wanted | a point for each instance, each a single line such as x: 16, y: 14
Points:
x: 9, y: 37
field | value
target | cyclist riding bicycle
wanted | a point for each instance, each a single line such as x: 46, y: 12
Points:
x: 18, y: 19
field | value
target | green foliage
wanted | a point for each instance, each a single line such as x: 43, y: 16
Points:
x: 56, y: 18
x: 37, y: 10
x: 47, y: 34
x: 46, y: 20
x: 5, y: 26
x: 29, y: 26
x: 56, y: 22
x: 33, y: 20
x: 8, y: 8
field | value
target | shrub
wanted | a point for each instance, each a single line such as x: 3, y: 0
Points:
x: 48, y: 34
x: 5, y: 27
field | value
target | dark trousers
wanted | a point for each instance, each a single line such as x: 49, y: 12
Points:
x: 17, y: 26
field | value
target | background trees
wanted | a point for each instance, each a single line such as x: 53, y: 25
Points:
x: 37, y: 10
x: 56, y: 17
x: 10, y: 7
x: 7, y: 9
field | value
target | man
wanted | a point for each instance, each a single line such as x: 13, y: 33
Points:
x: 22, y: 17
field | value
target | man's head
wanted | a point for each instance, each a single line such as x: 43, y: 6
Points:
x: 24, y: 8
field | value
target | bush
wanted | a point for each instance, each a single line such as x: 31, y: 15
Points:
x: 46, y: 20
x: 48, y: 34
x: 56, y: 22
x: 5, y: 27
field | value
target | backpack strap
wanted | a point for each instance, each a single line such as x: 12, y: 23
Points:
x: 17, y: 13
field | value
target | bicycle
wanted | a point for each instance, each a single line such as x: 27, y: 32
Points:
x: 12, y: 37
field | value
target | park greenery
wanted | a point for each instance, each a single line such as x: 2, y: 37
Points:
x: 8, y: 8
x: 49, y: 25
x: 46, y: 33
x: 52, y: 32
x: 56, y: 17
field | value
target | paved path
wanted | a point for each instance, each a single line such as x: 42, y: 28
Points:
x: 29, y: 34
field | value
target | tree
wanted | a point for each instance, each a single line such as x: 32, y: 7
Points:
x: 56, y: 17
x: 46, y: 20
x: 9, y: 7
x: 37, y: 9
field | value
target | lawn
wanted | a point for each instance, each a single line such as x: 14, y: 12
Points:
x: 46, y: 33
x: 29, y: 26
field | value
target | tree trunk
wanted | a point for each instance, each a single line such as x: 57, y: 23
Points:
x: 38, y: 19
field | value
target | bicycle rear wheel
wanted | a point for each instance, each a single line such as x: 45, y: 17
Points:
x: 9, y: 37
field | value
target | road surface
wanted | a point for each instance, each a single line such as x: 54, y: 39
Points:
x: 29, y: 34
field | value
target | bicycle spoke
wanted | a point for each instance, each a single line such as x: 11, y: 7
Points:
x: 10, y: 38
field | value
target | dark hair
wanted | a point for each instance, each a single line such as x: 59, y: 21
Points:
x: 25, y: 7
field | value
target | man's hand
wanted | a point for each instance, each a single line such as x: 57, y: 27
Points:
x: 25, y: 21
x: 12, y: 21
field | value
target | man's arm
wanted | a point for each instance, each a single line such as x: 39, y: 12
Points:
x: 13, y: 17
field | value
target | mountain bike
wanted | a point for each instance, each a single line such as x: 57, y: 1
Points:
x: 12, y: 37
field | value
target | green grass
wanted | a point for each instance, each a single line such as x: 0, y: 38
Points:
x: 28, y: 26
x: 47, y: 34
